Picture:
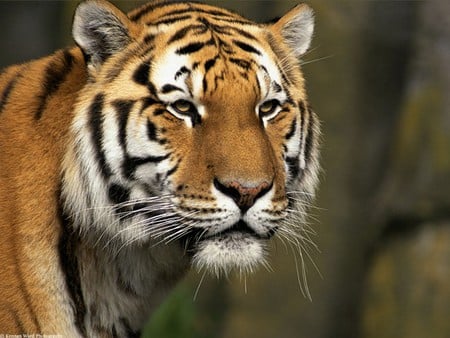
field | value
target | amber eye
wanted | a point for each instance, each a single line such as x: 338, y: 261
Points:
x: 183, y: 107
x: 267, y: 108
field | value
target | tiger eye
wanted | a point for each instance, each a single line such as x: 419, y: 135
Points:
x: 268, y: 107
x: 182, y: 106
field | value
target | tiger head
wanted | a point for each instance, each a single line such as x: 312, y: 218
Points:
x: 193, y: 128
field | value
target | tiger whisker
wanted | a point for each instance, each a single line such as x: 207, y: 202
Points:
x: 316, y: 60
x: 199, y: 285
x: 156, y: 223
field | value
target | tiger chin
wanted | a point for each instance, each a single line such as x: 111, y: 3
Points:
x: 177, y: 135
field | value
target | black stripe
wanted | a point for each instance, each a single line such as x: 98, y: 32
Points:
x: 293, y: 166
x: 226, y: 47
x: 205, y: 84
x: 241, y: 63
x: 169, y: 21
x: 173, y: 170
x: 181, y: 71
x: 167, y: 88
x: 142, y: 73
x: 194, y: 47
x: 96, y: 127
x: 292, y: 130
x: 214, y: 12
x: 8, y: 89
x: 151, y: 131
x: 130, y: 164
x: 151, y: 89
x: 147, y: 102
x: 246, y: 47
x: 276, y: 87
x: 141, y: 76
x: 148, y: 49
x: 191, y: 48
x: 116, y: 69
x: 235, y: 21
x: 149, y: 38
x: 191, y: 10
x: 159, y: 111
x: 217, y: 78
x: 55, y: 74
x: 241, y: 32
x: 186, y: 10
x: 118, y: 194
x: 302, y: 122
x: 227, y: 29
x: 258, y: 85
x: 151, y: 7
x: 185, y: 30
x: 210, y: 63
x: 309, y: 137
x: 69, y: 242
x: 123, y: 108
x: 220, y: 15
x: 301, y: 105
x: 137, y: 161
x: 265, y: 70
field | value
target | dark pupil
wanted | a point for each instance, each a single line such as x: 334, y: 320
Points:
x: 183, y: 106
x: 268, y: 107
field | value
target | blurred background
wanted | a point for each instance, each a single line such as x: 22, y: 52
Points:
x: 378, y: 75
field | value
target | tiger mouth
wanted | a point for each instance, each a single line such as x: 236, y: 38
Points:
x: 233, y: 238
x: 240, y: 227
x: 239, y: 230
x: 237, y: 248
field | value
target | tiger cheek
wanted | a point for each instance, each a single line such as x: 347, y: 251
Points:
x: 280, y: 172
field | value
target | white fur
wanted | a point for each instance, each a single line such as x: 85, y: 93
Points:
x: 299, y: 31
x: 237, y: 251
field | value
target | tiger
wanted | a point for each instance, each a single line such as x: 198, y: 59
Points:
x: 176, y: 136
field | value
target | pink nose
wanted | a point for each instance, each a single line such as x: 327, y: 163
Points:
x: 244, y: 197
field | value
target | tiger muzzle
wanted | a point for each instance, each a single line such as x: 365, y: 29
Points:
x: 245, y: 197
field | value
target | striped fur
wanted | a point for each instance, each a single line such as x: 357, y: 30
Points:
x: 176, y: 135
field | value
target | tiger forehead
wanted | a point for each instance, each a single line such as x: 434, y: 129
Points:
x: 173, y: 23
x: 198, y: 23
x: 164, y: 12
x: 207, y: 47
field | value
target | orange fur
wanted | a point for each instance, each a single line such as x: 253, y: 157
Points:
x: 30, y: 157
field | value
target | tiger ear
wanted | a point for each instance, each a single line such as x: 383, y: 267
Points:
x: 296, y: 27
x: 100, y: 30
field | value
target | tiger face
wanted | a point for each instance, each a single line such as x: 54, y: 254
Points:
x: 194, y: 129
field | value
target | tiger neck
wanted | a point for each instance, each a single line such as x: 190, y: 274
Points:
x: 115, y: 290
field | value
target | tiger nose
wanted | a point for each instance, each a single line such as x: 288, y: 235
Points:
x: 244, y: 196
